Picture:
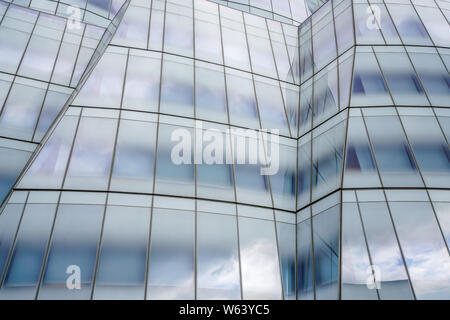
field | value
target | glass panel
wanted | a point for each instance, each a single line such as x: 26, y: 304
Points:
x: 208, y: 44
x: 26, y: 261
x: 304, y: 171
x: 12, y: 162
x: 135, y: 156
x: 436, y: 24
x: 74, y: 243
x: 210, y: 99
x: 283, y: 181
x: 424, y: 249
x: 142, y: 81
x: 304, y: 261
x: 261, y: 54
x: 366, y: 25
x: 122, y: 262
x: 90, y: 162
x: 178, y: 36
x: 9, y: 221
x: 435, y: 78
x: 173, y: 178
x: 214, y: 172
x: 43, y: 47
x: 171, y: 269
x: 324, y: 43
x: 132, y: 30
x: 360, y: 170
x: 368, y: 85
x: 103, y: 87
x: 327, y: 160
x: 401, y: 78
x: 326, y: 96
x: 259, y: 259
x: 54, y: 102
x: 286, y: 243
x: 218, y: 259
x: 49, y: 166
x: 385, y: 252
x: 241, y: 100
x: 271, y: 107
x: 21, y: 111
x: 430, y: 149
x: 177, y: 88
x: 393, y: 156
x: 355, y: 260
x: 234, y: 41
x: 326, y: 253
x: 408, y: 24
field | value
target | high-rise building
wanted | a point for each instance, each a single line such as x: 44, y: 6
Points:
x: 241, y: 149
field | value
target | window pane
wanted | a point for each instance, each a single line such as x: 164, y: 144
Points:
x: 217, y: 254
x: 360, y: 170
x: 259, y: 259
x: 234, y: 41
x: 48, y: 168
x: 172, y: 178
x: 177, y: 91
x: 142, y: 81
x: 171, y: 269
x: 21, y: 111
x: 430, y: 149
x: 122, y: 262
x: 26, y: 261
x: 401, y: 78
x: 408, y: 24
x: 208, y: 44
x: 135, y: 157
x: 241, y: 100
x: 103, y: 87
x: 326, y: 253
x: 271, y: 106
x: 385, y: 252
x: 304, y: 261
x: 74, y: 242
x: 9, y: 220
x: 210, y: 99
x: 178, y: 37
x: 393, y: 156
x: 368, y: 84
x: 355, y: 260
x: 286, y: 243
x: 424, y: 249
x: 90, y: 163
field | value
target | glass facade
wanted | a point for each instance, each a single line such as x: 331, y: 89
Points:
x: 357, y: 208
